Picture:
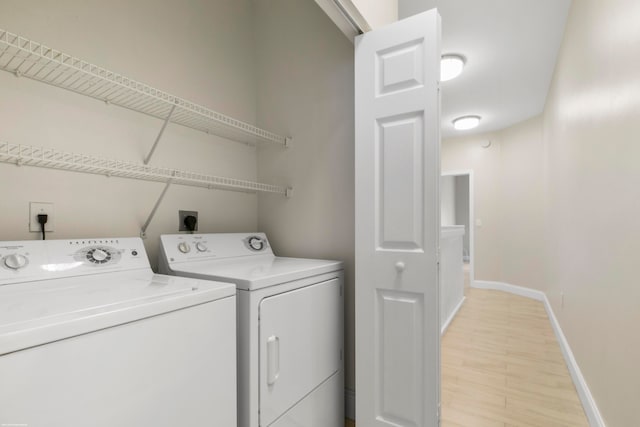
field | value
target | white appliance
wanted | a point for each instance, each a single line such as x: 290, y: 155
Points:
x: 290, y: 325
x: 90, y: 336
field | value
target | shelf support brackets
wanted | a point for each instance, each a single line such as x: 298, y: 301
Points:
x: 164, y: 126
x: 143, y: 231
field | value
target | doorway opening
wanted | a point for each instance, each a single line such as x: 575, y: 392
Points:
x: 457, y: 208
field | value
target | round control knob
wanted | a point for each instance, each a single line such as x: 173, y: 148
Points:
x: 99, y: 255
x: 201, y: 247
x: 256, y: 243
x: 15, y: 261
x: 400, y: 266
x: 184, y: 247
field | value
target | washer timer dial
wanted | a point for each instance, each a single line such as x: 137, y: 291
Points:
x: 15, y: 261
x: 184, y: 247
x: 99, y: 255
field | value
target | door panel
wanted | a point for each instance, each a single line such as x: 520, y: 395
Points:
x: 399, y: 149
x: 401, y: 318
x: 400, y: 68
x: 397, y: 223
x: 300, y: 345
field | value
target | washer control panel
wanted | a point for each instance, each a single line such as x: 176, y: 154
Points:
x: 44, y: 259
x: 188, y: 247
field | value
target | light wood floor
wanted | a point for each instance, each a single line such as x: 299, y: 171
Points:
x: 502, y: 366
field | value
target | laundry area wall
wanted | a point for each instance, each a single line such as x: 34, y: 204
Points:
x: 279, y: 64
x: 200, y: 51
x: 305, y: 86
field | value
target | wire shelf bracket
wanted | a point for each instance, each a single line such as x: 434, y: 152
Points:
x: 143, y: 230
x: 24, y: 57
x: 164, y: 126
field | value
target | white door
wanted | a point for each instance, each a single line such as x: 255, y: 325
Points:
x: 397, y: 175
x: 300, y: 345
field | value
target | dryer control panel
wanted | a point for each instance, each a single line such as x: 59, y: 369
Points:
x: 48, y: 259
x: 190, y: 247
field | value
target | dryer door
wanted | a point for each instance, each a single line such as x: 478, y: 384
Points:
x: 300, y: 345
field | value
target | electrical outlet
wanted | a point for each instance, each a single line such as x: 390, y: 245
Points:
x: 181, y: 217
x: 37, y: 208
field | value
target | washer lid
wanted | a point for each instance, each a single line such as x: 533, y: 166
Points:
x: 256, y: 272
x: 39, y: 312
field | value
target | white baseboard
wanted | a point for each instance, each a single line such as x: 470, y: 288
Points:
x: 513, y: 289
x: 586, y: 398
x: 588, y: 402
x: 453, y: 314
x: 350, y: 403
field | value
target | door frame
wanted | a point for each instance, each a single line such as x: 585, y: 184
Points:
x: 472, y: 226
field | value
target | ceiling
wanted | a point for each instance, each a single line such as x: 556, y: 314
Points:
x: 510, y: 48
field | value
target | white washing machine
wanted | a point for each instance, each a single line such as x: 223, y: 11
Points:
x: 290, y: 326
x: 90, y: 336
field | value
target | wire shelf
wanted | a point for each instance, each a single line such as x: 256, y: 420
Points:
x: 54, y: 159
x: 27, y: 58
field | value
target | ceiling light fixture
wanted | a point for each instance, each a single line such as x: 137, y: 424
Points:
x: 466, y: 122
x: 451, y: 66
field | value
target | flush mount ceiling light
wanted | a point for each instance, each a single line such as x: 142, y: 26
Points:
x: 451, y: 66
x: 466, y: 122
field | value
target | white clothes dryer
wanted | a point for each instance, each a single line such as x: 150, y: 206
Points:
x: 90, y: 336
x: 290, y: 325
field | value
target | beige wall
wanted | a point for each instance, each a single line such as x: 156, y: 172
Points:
x: 305, y: 89
x: 197, y: 49
x: 378, y: 12
x: 591, y: 128
x: 521, y: 209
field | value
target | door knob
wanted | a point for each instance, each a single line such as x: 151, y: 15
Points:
x: 400, y: 266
